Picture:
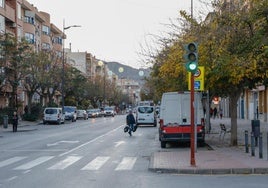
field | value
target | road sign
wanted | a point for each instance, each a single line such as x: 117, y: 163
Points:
x: 199, y: 78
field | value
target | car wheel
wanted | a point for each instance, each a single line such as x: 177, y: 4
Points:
x: 163, y: 144
x: 44, y: 122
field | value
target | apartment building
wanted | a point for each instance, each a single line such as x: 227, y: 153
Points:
x: 23, y: 20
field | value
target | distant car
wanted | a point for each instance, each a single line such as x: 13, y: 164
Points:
x: 70, y: 113
x: 82, y: 114
x: 109, y: 111
x: 53, y: 115
x: 92, y: 113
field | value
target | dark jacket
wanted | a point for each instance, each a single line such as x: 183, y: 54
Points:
x: 130, y: 119
x: 15, y: 119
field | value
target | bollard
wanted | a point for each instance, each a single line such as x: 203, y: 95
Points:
x: 260, y: 146
x: 267, y: 144
x: 246, y: 141
x: 252, y: 144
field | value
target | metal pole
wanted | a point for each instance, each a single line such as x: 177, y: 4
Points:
x: 246, y: 141
x: 252, y: 144
x: 192, y: 122
x: 260, y: 147
x: 63, y: 65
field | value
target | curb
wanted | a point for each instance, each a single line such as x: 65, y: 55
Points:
x: 205, y: 171
x: 241, y: 171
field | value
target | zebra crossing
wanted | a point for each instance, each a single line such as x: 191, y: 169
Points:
x: 95, y: 164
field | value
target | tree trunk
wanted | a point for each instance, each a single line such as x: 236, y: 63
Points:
x: 233, y: 112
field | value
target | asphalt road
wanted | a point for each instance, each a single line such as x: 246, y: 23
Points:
x: 95, y: 153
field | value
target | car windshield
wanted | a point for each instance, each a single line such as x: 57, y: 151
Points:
x: 51, y: 111
x: 145, y: 109
x: 69, y: 109
x: 108, y: 108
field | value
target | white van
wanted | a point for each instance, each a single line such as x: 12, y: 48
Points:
x: 145, y: 115
x: 53, y: 115
x: 175, y: 118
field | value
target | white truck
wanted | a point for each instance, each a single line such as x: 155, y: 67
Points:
x: 175, y: 118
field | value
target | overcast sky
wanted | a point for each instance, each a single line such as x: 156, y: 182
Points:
x: 113, y: 30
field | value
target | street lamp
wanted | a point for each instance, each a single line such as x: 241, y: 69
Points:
x: 63, y: 61
x: 102, y: 64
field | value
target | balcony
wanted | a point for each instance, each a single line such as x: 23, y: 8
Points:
x: 10, y: 13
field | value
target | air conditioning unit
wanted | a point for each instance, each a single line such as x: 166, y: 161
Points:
x: 13, y: 25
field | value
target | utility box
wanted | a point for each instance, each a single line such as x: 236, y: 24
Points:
x: 5, y: 121
x: 255, y: 127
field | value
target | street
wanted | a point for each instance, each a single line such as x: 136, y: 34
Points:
x: 95, y: 153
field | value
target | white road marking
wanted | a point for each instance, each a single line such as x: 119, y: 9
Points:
x: 34, y: 163
x: 96, y: 164
x: 65, y: 163
x: 93, y: 140
x: 10, y: 161
x: 119, y: 143
x: 126, y: 164
x: 63, y: 141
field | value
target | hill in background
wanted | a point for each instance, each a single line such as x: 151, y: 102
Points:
x: 129, y: 72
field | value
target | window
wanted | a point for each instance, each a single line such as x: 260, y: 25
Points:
x: 45, y: 30
x: 57, y: 40
x: 29, y: 20
x: 145, y: 109
x: 45, y: 46
x: 29, y: 37
x: 19, y: 11
x: 2, y: 25
x: 2, y: 3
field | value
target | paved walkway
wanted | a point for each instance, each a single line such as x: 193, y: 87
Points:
x: 219, y: 158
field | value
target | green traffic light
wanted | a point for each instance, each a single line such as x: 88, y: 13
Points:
x: 191, y: 67
x: 191, y: 57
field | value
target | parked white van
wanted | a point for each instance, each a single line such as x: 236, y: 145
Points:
x: 145, y: 115
x: 53, y: 115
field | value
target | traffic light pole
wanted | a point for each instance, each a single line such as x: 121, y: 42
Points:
x: 192, y: 122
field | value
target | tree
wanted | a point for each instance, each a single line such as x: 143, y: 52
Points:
x: 232, y: 47
x: 16, y: 53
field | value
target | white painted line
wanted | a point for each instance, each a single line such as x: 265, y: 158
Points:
x: 89, y: 142
x: 10, y: 161
x: 119, y: 143
x: 96, y: 164
x: 63, y: 141
x: 34, y: 163
x: 127, y: 163
x: 65, y: 163
x: 12, y: 178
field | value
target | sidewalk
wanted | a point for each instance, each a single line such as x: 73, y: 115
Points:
x: 220, y: 159
x: 21, y: 125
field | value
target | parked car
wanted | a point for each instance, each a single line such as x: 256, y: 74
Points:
x: 92, y: 113
x: 53, y: 115
x: 70, y: 113
x: 109, y: 111
x: 82, y: 114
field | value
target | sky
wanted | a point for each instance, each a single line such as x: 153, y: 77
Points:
x: 114, y: 30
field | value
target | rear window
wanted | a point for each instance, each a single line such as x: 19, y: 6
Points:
x: 51, y: 111
x: 146, y: 109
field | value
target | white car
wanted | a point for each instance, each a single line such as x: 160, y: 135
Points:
x: 53, y: 115
x: 109, y: 111
x: 82, y: 114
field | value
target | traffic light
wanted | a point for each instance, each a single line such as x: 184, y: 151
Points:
x: 191, y: 57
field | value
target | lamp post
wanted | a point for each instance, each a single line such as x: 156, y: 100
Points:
x: 102, y: 64
x: 63, y: 61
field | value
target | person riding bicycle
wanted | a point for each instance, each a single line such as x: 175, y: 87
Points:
x: 130, y: 120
